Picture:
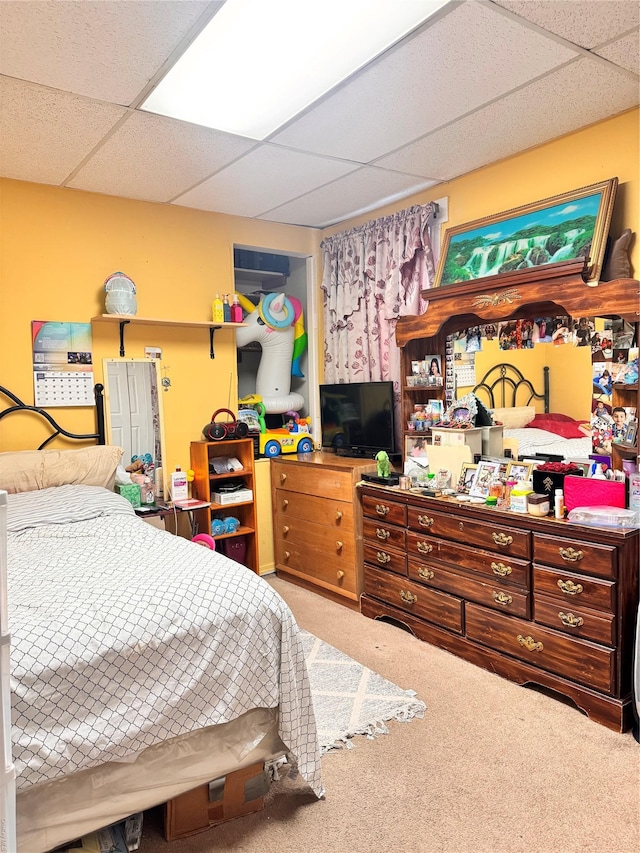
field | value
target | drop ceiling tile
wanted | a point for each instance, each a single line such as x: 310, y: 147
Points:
x: 107, y: 51
x: 364, y: 190
x: 44, y: 134
x: 265, y: 178
x: 587, y: 24
x: 154, y: 158
x: 520, y: 121
x: 466, y: 58
x: 624, y: 52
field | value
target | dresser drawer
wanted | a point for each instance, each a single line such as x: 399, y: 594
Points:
x: 333, y: 513
x: 381, y: 508
x: 336, y: 569
x: 430, y: 604
x: 494, y: 536
x: 481, y: 562
x: 315, y: 538
x: 377, y: 532
x: 576, y: 621
x: 384, y: 557
x: 313, y: 480
x: 570, y: 588
x: 575, y: 659
x: 584, y: 557
x: 503, y: 597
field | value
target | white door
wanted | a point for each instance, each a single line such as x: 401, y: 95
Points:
x: 130, y: 408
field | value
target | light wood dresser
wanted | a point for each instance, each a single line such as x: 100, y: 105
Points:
x: 535, y: 600
x: 317, y: 530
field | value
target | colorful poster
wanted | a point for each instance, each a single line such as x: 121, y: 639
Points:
x: 62, y: 364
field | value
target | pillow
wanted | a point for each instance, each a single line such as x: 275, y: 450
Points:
x: 617, y: 263
x: 29, y: 470
x: 564, y: 429
x: 555, y: 416
x: 515, y: 417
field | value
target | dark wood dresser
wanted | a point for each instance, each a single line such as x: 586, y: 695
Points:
x: 535, y: 600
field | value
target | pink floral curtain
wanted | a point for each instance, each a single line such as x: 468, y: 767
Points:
x: 372, y: 275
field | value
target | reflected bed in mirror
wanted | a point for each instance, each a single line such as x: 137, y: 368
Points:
x: 134, y: 409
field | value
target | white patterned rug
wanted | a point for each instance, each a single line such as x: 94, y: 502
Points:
x: 350, y: 699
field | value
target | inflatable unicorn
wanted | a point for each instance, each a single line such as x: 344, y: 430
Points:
x: 277, y: 324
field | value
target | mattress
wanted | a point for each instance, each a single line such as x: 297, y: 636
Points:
x: 53, y: 813
x: 530, y: 441
x: 125, y: 636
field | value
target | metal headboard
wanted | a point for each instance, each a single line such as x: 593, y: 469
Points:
x: 19, y: 406
x: 505, y: 386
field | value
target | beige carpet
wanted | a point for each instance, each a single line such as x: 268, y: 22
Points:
x: 491, y: 768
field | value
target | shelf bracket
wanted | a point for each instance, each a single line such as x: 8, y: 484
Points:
x: 211, y: 331
x: 123, y: 323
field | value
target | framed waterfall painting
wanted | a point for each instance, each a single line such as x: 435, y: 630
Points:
x: 571, y: 226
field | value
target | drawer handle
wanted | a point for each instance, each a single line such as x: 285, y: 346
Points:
x: 424, y: 547
x: 570, y: 555
x: 425, y: 521
x: 340, y: 574
x: 502, y: 598
x: 570, y: 588
x: 338, y: 514
x: 502, y: 539
x: 530, y: 644
x: 285, y: 529
x: 283, y: 477
x: 381, y: 533
x: 381, y: 509
x: 383, y: 558
x: 408, y: 597
x: 500, y: 569
x: 285, y: 504
x: 427, y: 574
x: 338, y: 545
x: 287, y: 554
x: 570, y: 620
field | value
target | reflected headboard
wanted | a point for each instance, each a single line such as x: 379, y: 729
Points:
x: 19, y: 406
x: 504, y: 386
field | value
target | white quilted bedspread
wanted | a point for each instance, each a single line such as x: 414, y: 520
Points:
x: 124, y: 636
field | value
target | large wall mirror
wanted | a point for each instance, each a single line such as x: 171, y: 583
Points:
x: 134, y: 408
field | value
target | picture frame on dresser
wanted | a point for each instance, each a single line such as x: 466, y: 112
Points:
x: 481, y: 482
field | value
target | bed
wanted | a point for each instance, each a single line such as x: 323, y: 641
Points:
x: 529, y: 428
x: 142, y: 664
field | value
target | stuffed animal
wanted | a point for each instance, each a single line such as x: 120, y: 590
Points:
x: 382, y: 458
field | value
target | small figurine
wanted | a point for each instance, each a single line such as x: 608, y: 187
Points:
x: 382, y: 458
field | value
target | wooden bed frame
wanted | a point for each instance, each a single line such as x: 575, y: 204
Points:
x: 505, y: 387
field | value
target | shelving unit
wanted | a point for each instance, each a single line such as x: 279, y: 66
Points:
x: 628, y: 397
x: 414, y: 350
x: 123, y: 320
x: 206, y: 482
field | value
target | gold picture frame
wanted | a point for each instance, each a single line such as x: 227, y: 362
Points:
x: 465, y: 481
x: 570, y: 226
x: 519, y: 471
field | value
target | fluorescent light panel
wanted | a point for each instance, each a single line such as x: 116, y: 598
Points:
x: 258, y: 63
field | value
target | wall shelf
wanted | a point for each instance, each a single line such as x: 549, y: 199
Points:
x: 125, y: 319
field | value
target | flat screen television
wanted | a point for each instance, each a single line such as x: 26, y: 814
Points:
x: 357, y: 418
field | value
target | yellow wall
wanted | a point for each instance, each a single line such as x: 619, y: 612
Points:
x: 605, y: 150
x: 57, y: 246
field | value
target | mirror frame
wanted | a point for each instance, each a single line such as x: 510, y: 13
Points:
x: 155, y: 367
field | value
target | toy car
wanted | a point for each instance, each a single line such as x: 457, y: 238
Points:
x: 293, y: 437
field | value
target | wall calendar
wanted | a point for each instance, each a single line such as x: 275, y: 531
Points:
x: 62, y: 364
